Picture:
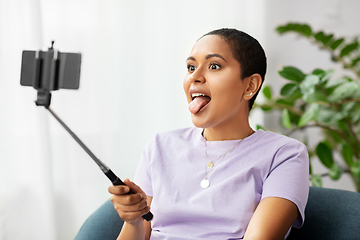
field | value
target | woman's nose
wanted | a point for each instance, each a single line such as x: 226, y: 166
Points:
x: 197, y: 76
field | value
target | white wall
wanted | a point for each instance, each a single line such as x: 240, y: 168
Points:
x: 133, y: 63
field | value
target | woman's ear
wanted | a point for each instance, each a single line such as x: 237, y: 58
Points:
x: 253, y: 86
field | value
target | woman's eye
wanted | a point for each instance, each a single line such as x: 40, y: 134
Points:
x: 191, y: 68
x: 214, y: 66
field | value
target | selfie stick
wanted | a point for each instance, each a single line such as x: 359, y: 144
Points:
x: 107, y: 171
x: 43, y: 69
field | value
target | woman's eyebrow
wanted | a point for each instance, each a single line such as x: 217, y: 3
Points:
x: 215, y: 55
x: 190, y: 58
x: 207, y: 57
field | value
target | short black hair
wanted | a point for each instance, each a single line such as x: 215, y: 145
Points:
x: 247, y: 51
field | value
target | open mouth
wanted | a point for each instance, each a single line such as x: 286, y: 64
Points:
x: 199, y: 102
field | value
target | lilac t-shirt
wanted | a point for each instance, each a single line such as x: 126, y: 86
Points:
x: 264, y: 164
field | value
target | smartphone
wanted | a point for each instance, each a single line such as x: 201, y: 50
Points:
x: 50, y: 70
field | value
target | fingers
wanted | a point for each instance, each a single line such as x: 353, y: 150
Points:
x: 130, y: 207
x: 134, y: 188
x: 118, y: 190
x: 121, y: 189
x: 127, y: 199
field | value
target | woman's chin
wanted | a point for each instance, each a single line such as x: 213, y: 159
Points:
x: 199, y: 122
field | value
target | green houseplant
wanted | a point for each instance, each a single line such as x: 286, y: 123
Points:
x: 318, y: 99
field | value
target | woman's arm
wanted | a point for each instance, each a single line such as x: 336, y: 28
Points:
x: 272, y: 219
x: 131, y: 208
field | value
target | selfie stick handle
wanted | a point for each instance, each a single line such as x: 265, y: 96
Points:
x: 107, y: 171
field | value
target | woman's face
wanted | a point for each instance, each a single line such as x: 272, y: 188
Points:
x: 213, y: 84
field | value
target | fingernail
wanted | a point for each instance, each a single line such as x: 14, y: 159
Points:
x: 140, y: 196
x: 127, y: 189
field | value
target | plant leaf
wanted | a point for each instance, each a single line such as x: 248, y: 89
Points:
x: 295, y: 95
x: 325, y: 154
x: 316, y: 180
x: 355, y: 61
x: 336, y: 82
x: 308, y: 85
x: 292, y: 73
x: 259, y: 127
x: 337, y: 117
x: 318, y: 72
x: 327, y: 39
x: 266, y: 109
x: 317, y: 96
x: 347, y: 107
x: 325, y: 116
x: 355, y: 115
x: 341, y: 124
x: 306, y: 30
x: 310, y: 114
x: 335, y: 172
x: 343, y: 91
x: 285, y: 119
x: 348, y: 49
x: 283, y: 101
x: 288, y: 89
x: 335, y: 137
x: 294, y: 118
x: 355, y: 169
x: 336, y: 43
x: 328, y: 74
x: 281, y: 29
x: 302, y: 29
x: 347, y: 153
x: 267, y: 92
x: 319, y: 36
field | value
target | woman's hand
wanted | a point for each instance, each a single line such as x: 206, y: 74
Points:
x: 130, y: 207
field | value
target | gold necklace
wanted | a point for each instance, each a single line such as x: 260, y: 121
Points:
x: 205, y: 183
x: 211, y: 163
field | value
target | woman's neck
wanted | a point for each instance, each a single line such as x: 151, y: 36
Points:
x: 238, y: 132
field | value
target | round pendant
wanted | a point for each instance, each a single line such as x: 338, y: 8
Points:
x: 205, y: 183
x: 210, y: 165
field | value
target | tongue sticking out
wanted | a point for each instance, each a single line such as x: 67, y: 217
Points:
x: 198, y: 103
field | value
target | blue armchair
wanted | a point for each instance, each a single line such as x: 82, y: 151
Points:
x: 330, y: 214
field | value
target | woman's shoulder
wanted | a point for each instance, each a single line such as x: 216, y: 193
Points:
x: 181, y: 133
x: 187, y: 134
x: 265, y: 137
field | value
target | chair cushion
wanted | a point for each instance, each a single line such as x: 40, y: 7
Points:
x: 330, y: 214
x: 104, y: 223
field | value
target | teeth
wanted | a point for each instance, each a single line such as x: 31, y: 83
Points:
x: 198, y: 95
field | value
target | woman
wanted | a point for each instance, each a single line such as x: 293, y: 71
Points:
x: 219, y: 179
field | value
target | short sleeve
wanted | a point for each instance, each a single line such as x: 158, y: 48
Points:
x: 288, y: 177
x: 142, y: 174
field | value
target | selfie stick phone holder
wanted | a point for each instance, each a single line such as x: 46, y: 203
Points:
x: 51, y: 70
